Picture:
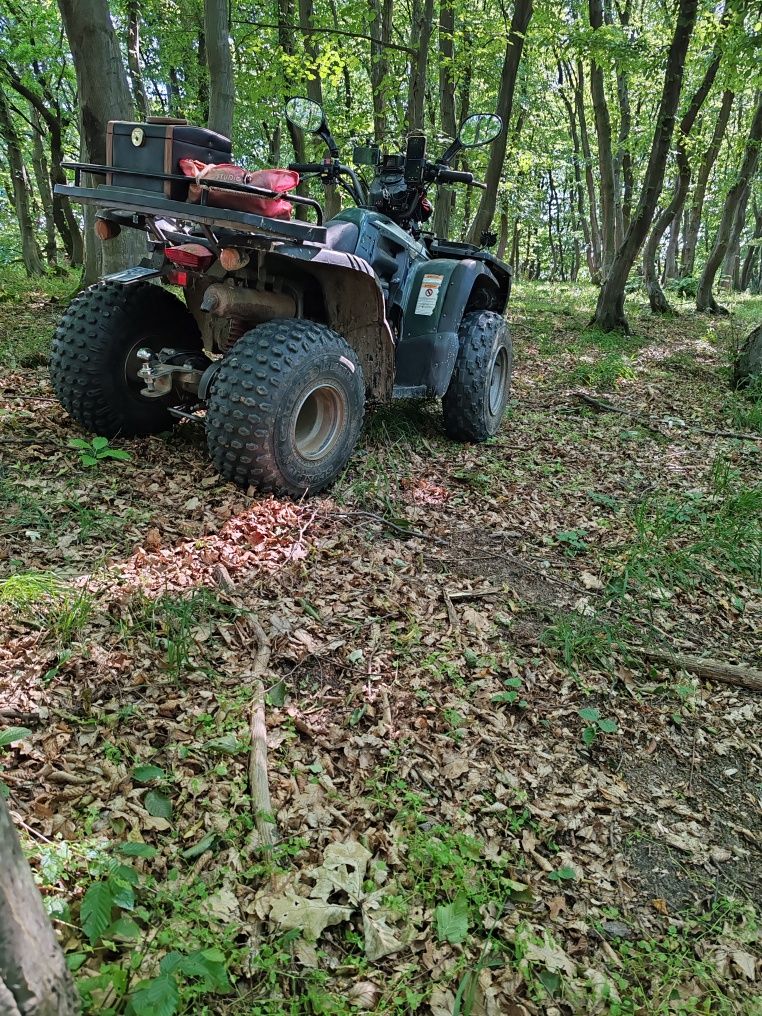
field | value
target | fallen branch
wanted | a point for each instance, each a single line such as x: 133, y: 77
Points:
x: 706, y: 668
x: 649, y: 421
x: 371, y: 516
x: 259, y: 786
x: 472, y: 594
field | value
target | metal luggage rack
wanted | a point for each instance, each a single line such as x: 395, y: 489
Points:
x: 141, y: 209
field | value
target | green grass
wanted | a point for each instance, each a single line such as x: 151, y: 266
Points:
x: 28, y: 311
x: 44, y: 600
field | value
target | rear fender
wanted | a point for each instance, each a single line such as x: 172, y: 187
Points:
x: 354, y: 306
x: 437, y: 295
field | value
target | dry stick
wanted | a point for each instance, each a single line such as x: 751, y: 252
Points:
x: 608, y: 407
x: 472, y: 594
x: 258, y: 783
x: 371, y: 516
x: 705, y: 667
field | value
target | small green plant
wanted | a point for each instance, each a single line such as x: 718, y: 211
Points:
x: 573, y: 541
x: 95, y: 451
x: 28, y: 589
x: 596, y: 724
x: 511, y: 695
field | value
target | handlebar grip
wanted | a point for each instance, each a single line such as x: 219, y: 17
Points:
x: 479, y: 184
x: 306, y: 167
x: 454, y: 176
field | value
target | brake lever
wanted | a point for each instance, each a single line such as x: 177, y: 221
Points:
x: 479, y: 184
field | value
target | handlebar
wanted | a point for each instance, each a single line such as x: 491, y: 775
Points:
x: 457, y: 176
x: 307, y: 167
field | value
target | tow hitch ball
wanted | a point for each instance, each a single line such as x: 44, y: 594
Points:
x: 160, y: 375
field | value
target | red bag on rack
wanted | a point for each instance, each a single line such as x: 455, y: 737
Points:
x: 280, y: 180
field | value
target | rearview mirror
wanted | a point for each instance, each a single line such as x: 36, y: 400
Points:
x: 479, y: 129
x: 305, y: 113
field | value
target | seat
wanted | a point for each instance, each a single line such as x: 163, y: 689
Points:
x: 341, y: 236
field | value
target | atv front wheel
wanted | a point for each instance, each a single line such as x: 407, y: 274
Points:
x: 480, y: 386
x: 286, y: 408
x: 94, y: 363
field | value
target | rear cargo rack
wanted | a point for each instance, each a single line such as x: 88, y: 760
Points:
x: 97, y: 169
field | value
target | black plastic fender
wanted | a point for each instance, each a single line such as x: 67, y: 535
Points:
x: 436, y: 297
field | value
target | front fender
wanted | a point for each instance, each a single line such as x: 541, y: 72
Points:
x: 436, y: 296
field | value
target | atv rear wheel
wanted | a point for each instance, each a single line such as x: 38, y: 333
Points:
x: 286, y: 408
x: 480, y: 386
x: 94, y: 362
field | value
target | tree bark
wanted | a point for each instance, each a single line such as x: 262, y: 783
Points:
x: 579, y: 189
x: 609, y: 313
x: 421, y: 25
x: 42, y: 179
x: 21, y: 185
x: 103, y: 95
x: 34, y: 978
x: 522, y: 14
x: 670, y: 257
x: 445, y: 195
x: 220, y: 63
x: 133, y: 58
x: 731, y: 261
x: 331, y: 195
x: 381, y: 34
x: 605, y: 153
x: 690, y: 239
x: 671, y: 214
x: 595, y: 233
x: 705, y: 300
x: 754, y: 249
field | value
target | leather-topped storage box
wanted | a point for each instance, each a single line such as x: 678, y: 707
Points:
x: 157, y: 146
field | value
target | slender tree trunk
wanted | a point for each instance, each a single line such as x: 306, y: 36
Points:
x: 42, y: 179
x: 21, y: 186
x: 331, y: 196
x: 34, y: 978
x: 421, y: 26
x: 755, y: 249
x: 731, y: 261
x: 522, y: 14
x: 623, y: 178
x: 592, y: 199
x: 220, y: 63
x: 133, y: 58
x: 445, y: 195
x: 705, y: 300
x: 702, y: 179
x: 103, y: 95
x: 502, y: 242
x: 381, y: 34
x: 203, y: 75
x: 579, y: 189
x: 671, y: 213
x: 609, y: 313
x: 670, y: 256
x: 605, y: 153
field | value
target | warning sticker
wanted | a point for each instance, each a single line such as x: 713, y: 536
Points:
x: 427, y: 294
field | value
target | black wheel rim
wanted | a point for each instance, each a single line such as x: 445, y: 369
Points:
x: 319, y: 422
x: 498, y: 381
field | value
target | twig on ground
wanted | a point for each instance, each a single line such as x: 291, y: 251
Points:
x: 259, y: 786
x: 705, y: 667
x: 650, y: 421
x: 472, y: 594
x: 371, y: 516
x: 452, y: 616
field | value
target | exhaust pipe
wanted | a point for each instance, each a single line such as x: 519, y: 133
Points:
x: 250, y: 304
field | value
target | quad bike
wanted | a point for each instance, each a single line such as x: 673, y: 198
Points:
x: 287, y: 328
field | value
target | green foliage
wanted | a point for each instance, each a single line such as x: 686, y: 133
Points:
x: 97, y: 450
x: 596, y: 724
x: 452, y: 921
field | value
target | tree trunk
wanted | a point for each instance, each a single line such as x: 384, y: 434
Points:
x: 220, y: 63
x: 445, y: 195
x: 705, y: 300
x: 609, y: 313
x: 670, y: 257
x: 748, y: 360
x: 754, y: 250
x: 21, y: 186
x: 579, y: 189
x: 381, y: 34
x: 133, y: 58
x: 331, y: 195
x: 671, y: 213
x: 34, y: 978
x: 595, y: 233
x: 522, y: 14
x: 42, y: 179
x: 421, y: 25
x: 103, y: 95
x: 690, y: 239
x: 605, y: 154
x: 623, y: 178
x: 731, y: 261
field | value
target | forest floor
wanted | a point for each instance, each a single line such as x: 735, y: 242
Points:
x: 488, y: 799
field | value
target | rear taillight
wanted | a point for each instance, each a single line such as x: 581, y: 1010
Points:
x: 177, y: 277
x: 189, y: 255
